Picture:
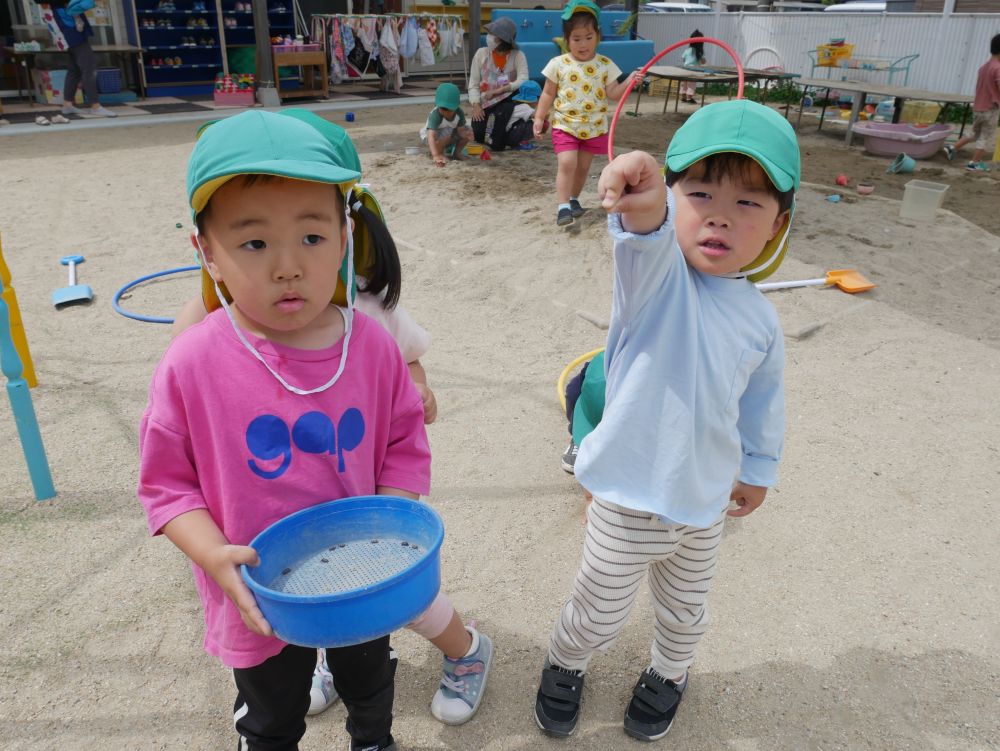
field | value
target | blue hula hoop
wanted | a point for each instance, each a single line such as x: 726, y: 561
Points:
x: 135, y: 283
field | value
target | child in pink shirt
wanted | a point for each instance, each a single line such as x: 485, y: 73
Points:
x: 985, y: 109
x: 276, y: 403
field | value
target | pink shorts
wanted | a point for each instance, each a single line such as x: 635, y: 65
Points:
x: 563, y: 141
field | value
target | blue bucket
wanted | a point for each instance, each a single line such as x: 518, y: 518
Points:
x: 347, y: 571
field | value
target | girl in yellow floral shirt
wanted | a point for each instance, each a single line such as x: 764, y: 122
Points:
x: 581, y: 84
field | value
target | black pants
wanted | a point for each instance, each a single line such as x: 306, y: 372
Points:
x: 272, y: 698
x: 492, y: 129
x: 82, y: 71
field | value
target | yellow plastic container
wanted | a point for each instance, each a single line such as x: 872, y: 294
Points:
x: 919, y: 113
x: 831, y: 55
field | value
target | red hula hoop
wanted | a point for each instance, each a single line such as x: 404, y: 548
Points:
x: 647, y: 66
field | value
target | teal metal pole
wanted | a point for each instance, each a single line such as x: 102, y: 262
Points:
x: 24, y: 410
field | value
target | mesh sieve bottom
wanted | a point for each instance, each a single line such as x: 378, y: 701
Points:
x: 348, y: 566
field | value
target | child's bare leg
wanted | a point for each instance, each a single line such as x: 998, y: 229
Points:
x: 462, y: 137
x: 583, y: 161
x: 468, y: 654
x: 565, y: 174
x: 455, y: 640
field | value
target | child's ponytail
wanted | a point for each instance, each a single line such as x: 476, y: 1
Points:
x: 383, y: 271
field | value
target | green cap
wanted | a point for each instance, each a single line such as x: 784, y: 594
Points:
x: 581, y: 6
x: 347, y: 155
x: 744, y: 127
x: 447, y: 96
x: 337, y: 136
x: 261, y: 143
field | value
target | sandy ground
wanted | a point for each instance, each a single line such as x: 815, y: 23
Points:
x: 858, y: 609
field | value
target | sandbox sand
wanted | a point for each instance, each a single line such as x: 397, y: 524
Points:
x: 857, y: 609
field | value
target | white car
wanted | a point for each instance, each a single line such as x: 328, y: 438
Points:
x: 858, y: 7
x: 674, y: 8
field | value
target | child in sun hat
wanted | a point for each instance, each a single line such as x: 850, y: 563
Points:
x: 520, y: 126
x: 694, y: 413
x: 445, y: 128
x: 578, y: 87
x: 378, y: 288
x: 268, y: 195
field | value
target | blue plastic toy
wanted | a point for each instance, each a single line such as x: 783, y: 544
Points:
x: 72, y: 293
x: 24, y: 410
x: 347, y: 571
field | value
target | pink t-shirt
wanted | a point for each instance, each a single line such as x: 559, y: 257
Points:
x: 987, y: 86
x: 220, y: 433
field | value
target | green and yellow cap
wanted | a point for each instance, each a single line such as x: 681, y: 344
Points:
x: 744, y: 127
x: 581, y: 6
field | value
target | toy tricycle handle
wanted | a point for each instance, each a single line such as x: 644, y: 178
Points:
x: 67, y: 260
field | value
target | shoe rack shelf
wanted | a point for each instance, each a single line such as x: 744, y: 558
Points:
x: 186, y: 41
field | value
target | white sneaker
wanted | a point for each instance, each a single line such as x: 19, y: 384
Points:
x: 102, y: 111
x: 322, y: 695
x: 463, y: 683
x: 69, y: 109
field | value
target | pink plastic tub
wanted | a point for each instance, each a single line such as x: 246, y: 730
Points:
x: 890, y: 139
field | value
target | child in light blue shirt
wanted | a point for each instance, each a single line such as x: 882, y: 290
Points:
x: 694, y: 414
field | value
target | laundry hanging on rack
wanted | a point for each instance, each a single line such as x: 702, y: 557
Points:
x: 366, y: 44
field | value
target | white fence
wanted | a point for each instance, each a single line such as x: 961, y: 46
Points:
x: 951, y: 49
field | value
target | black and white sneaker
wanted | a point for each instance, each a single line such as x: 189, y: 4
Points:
x: 557, y: 704
x: 564, y: 217
x: 575, y: 208
x: 386, y: 744
x: 569, y: 457
x: 654, y: 703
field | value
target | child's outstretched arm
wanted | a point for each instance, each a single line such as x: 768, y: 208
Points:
x: 632, y: 185
x: 200, y: 539
x: 544, y: 105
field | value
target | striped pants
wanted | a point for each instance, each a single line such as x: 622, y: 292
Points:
x: 621, y: 546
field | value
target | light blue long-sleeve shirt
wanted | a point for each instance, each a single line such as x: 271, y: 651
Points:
x: 695, y: 393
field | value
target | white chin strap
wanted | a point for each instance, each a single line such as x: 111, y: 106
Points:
x: 348, y: 315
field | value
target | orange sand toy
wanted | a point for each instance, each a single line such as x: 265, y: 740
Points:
x: 848, y: 280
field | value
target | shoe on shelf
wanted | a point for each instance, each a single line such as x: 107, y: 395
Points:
x: 557, y: 704
x: 564, y: 217
x: 322, y: 695
x: 575, y: 208
x: 654, y: 703
x: 949, y: 151
x: 463, y: 683
x: 59, y: 119
x: 569, y: 457
x: 102, y: 111
x: 977, y: 167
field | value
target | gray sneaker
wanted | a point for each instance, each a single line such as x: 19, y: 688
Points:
x: 102, y: 111
x: 463, y: 684
x: 949, y: 152
x: 569, y: 457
